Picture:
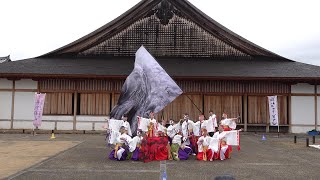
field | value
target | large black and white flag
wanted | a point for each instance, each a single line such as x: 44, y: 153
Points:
x: 147, y: 89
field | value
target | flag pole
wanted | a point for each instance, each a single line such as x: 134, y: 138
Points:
x: 278, y: 122
x: 196, y: 106
x: 278, y: 129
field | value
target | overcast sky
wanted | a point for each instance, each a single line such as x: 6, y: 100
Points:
x: 30, y: 28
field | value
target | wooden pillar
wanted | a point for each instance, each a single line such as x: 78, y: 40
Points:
x: 315, y: 107
x: 112, y: 102
x: 12, y: 103
x: 75, y: 108
x: 268, y: 118
x: 202, y: 96
x: 267, y: 127
x: 289, y: 112
x: 245, y: 111
x: 113, y: 98
x: 38, y: 87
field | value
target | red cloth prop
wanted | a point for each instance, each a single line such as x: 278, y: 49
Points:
x: 227, y: 129
x: 194, y: 140
x: 154, y: 149
x: 238, y: 138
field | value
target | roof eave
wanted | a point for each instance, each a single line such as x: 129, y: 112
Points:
x: 92, y: 76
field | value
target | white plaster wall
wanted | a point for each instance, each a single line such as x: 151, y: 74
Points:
x: 58, y: 118
x: 29, y: 125
x: 302, y: 88
x: 47, y: 125
x: 5, y: 84
x: 84, y: 126
x: 24, y: 105
x: 5, y: 124
x: 91, y: 118
x: 65, y: 126
x: 301, y: 129
x: 23, y: 124
x: 98, y: 126
x: 5, y: 104
x: 26, y: 84
x: 302, y: 112
x: 99, y: 121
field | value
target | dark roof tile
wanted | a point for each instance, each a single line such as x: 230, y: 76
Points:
x: 237, y: 68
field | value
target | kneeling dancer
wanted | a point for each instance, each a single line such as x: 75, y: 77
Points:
x: 204, y: 152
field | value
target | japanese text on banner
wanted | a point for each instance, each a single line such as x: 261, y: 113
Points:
x: 273, y: 110
x: 38, y: 109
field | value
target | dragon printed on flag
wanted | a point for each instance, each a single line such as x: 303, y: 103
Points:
x: 147, y: 89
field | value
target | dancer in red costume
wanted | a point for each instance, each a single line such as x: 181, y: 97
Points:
x: 205, y: 153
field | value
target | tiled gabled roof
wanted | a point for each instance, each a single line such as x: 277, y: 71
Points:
x: 191, y: 68
x: 166, y: 28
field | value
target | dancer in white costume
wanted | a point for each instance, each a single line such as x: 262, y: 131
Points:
x: 204, y: 150
x: 170, y: 130
x: 121, y: 144
x: 211, y: 123
x: 219, y: 144
x: 228, y: 123
x: 126, y: 124
x: 148, y: 125
x: 175, y: 146
x: 162, y: 130
x: 197, y: 126
x: 187, y: 128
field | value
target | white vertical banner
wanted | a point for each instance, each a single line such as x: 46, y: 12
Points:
x: 273, y: 110
x: 38, y: 109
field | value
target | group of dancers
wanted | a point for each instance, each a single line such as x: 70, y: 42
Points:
x: 208, y: 140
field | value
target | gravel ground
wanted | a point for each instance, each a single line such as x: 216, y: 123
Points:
x: 275, y: 158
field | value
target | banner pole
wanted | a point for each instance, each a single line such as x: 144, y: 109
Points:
x: 196, y: 106
x: 278, y: 120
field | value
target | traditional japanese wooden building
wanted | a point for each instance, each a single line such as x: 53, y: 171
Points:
x: 217, y: 70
